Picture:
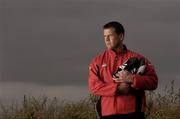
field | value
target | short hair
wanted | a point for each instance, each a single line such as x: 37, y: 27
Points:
x: 116, y: 25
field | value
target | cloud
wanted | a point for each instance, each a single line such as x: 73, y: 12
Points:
x: 52, y: 42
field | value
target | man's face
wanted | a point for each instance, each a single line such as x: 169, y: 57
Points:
x: 112, y: 39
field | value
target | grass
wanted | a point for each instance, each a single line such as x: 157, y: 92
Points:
x: 46, y: 108
x: 165, y: 106
x: 159, y: 106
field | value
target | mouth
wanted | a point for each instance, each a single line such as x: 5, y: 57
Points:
x: 108, y: 44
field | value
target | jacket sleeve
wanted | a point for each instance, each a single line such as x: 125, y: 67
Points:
x: 96, y: 85
x: 148, y: 81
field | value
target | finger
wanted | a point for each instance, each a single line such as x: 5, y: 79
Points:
x: 117, y: 80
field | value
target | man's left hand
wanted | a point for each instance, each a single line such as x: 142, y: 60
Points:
x: 125, y: 77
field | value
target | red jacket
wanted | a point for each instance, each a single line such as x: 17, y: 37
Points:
x: 101, y: 82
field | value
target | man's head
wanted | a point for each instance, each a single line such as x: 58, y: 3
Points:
x: 113, y: 35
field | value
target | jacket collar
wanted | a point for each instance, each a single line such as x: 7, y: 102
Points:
x: 120, y: 51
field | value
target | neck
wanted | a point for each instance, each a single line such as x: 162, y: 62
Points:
x: 119, y: 48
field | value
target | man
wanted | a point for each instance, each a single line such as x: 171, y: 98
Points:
x: 122, y: 97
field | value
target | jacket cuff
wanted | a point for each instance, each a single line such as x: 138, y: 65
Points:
x: 135, y: 82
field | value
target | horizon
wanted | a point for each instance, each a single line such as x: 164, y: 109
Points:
x: 46, y: 46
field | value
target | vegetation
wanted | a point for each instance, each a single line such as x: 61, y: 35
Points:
x: 159, y: 106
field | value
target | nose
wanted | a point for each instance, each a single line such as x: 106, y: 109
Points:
x: 107, y: 38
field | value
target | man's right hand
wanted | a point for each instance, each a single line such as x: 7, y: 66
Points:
x: 123, y: 88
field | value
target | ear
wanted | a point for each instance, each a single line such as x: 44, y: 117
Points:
x: 121, y: 37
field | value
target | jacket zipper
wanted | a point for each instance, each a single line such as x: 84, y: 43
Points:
x: 115, y: 64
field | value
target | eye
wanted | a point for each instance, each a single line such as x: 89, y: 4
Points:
x: 111, y: 34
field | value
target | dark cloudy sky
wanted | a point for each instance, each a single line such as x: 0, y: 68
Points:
x: 47, y: 45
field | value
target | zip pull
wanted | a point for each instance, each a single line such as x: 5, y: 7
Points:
x: 115, y: 60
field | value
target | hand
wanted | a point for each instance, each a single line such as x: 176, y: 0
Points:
x: 124, y: 77
x: 123, y: 88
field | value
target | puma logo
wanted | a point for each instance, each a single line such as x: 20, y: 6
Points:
x: 104, y: 65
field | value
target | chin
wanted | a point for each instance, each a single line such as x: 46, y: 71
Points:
x: 108, y: 47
